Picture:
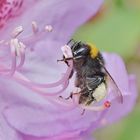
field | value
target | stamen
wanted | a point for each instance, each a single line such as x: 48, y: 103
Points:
x: 38, y: 34
x: 17, y: 49
x: 34, y: 27
x: 48, y: 28
x: 20, y: 78
x: 70, y: 105
x: 63, y: 81
x: 106, y: 105
x: 18, y: 30
x: 13, y: 55
x: 66, y: 51
x: 22, y: 54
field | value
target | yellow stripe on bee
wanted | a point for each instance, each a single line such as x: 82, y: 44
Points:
x: 93, y: 50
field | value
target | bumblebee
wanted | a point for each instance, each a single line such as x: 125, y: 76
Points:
x: 91, y: 74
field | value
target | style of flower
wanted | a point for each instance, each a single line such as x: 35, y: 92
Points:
x: 31, y: 110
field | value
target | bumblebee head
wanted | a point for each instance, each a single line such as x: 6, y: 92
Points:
x: 81, y: 50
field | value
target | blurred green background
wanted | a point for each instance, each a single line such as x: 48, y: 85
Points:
x: 116, y: 28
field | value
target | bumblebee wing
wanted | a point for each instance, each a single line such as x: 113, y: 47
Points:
x: 115, y: 86
x: 93, y: 82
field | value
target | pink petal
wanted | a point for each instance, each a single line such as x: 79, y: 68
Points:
x: 7, y: 132
x: 70, y: 16
x: 34, y: 117
x: 51, y: 120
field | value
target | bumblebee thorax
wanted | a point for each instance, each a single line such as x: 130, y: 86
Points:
x: 93, y: 50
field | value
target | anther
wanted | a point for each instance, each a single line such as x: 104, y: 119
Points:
x: 48, y: 28
x: 18, y: 30
x: 66, y: 51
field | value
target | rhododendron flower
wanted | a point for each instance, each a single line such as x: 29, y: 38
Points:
x: 31, y: 80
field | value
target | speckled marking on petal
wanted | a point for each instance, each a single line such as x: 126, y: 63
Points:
x: 8, y: 9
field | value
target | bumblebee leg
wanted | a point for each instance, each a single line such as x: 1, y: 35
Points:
x: 69, y: 97
x: 75, y: 92
x: 91, y: 97
x: 64, y: 61
x: 89, y: 102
